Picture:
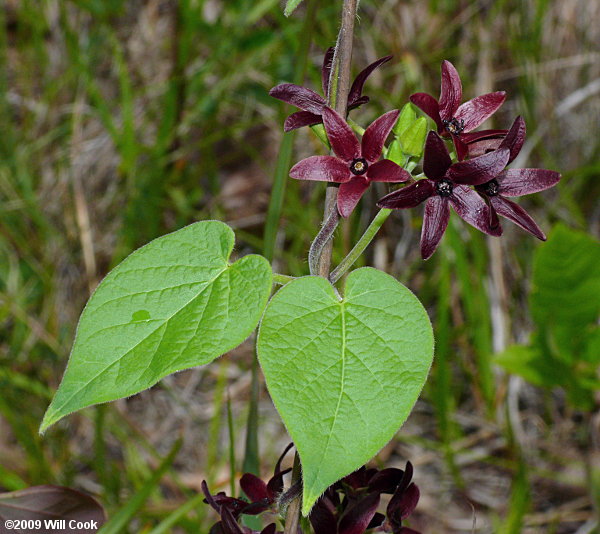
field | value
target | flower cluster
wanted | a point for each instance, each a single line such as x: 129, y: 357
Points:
x: 262, y: 497
x: 347, y: 507
x: 350, y: 505
x: 476, y: 185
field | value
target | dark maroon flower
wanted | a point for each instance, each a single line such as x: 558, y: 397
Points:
x: 355, y: 165
x: 229, y: 525
x: 221, y: 501
x: 402, y: 504
x: 514, y: 183
x: 262, y: 496
x: 312, y: 103
x: 350, y: 505
x: 447, y: 185
x: 458, y: 120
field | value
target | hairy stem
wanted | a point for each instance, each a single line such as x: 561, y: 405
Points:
x: 322, y: 240
x: 339, y: 87
x: 360, y: 246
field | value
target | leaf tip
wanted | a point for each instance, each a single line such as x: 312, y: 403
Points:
x: 307, y: 504
x: 291, y: 6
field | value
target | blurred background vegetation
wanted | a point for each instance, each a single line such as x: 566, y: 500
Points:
x: 122, y: 120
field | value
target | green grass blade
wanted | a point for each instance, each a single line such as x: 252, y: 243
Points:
x: 119, y: 521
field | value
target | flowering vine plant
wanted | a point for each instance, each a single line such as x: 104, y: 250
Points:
x: 344, y: 362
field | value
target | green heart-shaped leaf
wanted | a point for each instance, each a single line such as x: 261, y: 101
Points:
x: 173, y: 304
x: 343, y: 373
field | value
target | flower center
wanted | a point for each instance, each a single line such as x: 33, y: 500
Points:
x: 444, y: 188
x: 491, y: 188
x: 359, y: 166
x: 454, y: 126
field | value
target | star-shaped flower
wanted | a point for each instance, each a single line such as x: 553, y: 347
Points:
x: 312, y: 103
x: 514, y: 183
x: 355, y: 164
x: 458, y: 120
x: 446, y: 184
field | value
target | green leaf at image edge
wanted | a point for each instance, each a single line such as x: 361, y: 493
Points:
x: 345, y: 373
x: 291, y: 6
x: 173, y: 304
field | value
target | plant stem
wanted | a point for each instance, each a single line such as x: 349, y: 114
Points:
x: 322, y: 240
x: 292, y: 516
x: 339, y: 86
x: 360, y: 246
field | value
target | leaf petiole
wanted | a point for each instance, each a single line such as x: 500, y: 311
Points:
x: 360, y: 246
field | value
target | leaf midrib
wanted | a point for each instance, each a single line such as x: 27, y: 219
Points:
x: 339, y: 401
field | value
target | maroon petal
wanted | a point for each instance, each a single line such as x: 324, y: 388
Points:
x: 517, y: 182
x: 321, y: 168
x: 386, y: 480
x: 429, y: 105
x: 451, y: 93
x: 376, y: 134
x: 342, y: 138
x: 410, y: 498
x: 357, y: 517
x: 349, y: 195
x: 298, y: 96
x: 481, y: 169
x: 275, y: 484
x: 254, y: 487
x: 406, y: 530
x: 269, y: 529
x: 358, y: 102
x: 479, y: 148
x: 326, y: 69
x: 208, y: 497
x: 359, y: 81
x: 406, y: 477
x: 217, y: 528
x: 462, y: 150
x: 387, y: 171
x: 300, y: 119
x: 494, y: 220
x: 229, y: 524
x: 518, y: 215
x: 359, y: 478
x: 472, y: 208
x: 402, y: 504
x: 435, y: 222
x: 409, y: 196
x: 322, y: 517
x: 471, y: 137
x: 515, y: 138
x: 437, y: 160
x: 475, y: 111
x: 280, y: 459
